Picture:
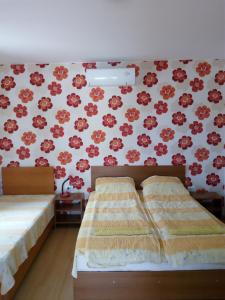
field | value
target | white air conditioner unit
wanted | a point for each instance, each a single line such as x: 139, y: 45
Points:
x: 110, y: 77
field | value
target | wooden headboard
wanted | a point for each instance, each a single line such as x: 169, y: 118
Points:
x: 28, y: 180
x: 138, y: 173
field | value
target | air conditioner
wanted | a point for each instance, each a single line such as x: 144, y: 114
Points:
x: 110, y: 77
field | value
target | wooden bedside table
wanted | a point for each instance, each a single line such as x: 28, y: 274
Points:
x: 211, y: 201
x: 69, y: 213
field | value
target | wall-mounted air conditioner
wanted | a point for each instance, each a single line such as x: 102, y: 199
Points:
x: 110, y: 77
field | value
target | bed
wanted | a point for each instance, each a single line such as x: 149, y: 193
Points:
x: 28, y: 214
x: 155, y: 284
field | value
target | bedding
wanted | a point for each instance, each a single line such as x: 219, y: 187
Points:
x: 189, y: 233
x: 23, y: 218
x: 115, y: 231
x: 112, y: 184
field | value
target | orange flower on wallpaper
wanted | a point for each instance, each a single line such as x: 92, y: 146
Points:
x: 150, y: 79
x: 60, y: 73
x: 8, y: 83
x: 64, y: 157
x: 98, y: 136
x: 97, y: 94
x: 82, y: 165
x: 132, y: 156
x: 202, y: 154
x: 167, y: 92
x: 10, y: 126
x: 18, y: 69
x: 203, y: 69
x: 26, y: 95
x: 4, y: 102
x: 132, y: 114
x: 150, y: 161
x: 167, y: 134
x: 28, y: 138
x: 161, y: 65
x: 62, y: 116
x: 36, y: 79
x: 220, y: 77
x: 202, y: 112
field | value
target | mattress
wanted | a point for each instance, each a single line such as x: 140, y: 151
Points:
x: 83, y: 266
x: 23, y: 218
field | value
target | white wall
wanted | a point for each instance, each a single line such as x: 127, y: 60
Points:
x: 86, y: 30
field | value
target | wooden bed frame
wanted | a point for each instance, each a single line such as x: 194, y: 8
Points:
x: 29, y: 181
x: 150, y: 285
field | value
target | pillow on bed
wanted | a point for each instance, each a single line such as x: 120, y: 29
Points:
x: 164, y: 185
x: 114, y: 185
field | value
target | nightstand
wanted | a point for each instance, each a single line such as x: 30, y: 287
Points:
x: 69, y: 212
x: 211, y: 201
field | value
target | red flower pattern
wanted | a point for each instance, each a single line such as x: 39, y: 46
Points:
x: 79, y: 81
x: 185, y: 100
x: 132, y: 114
x: 143, y: 98
x: 8, y: 83
x: 160, y: 149
x: 150, y: 79
x: 39, y: 122
x: 161, y: 107
x: 213, y: 138
x: 202, y: 154
x: 161, y: 65
x: 29, y: 138
x: 45, y: 104
x: 4, y: 102
x: 150, y: 122
x: 13, y: 164
x: 20, y: 110
x: 59, y: 172
x: 212, y: 179
x: 126, y: 129
x: 75, y: 142
x: 110, y: 161
x: 196, y: 127
x: 203, y: 112
x: 76, y: 182
x: 18, y: 69
x: 133, y: 156
x: 91, y: 109
x: 62, y: 116
x: 64, y: 157
x: 115, y: 102
x: 60, y: 73
x: 6, y: 144
x: 92, y: 151
x: 220, y: 77
x: 203, y: 69
x: 143, y: 140
x: 41, y: 162
x: 73, y: 100
x: 98, y: 136
x: 82, y: 165
x: 179, y: 118
x: 185, y: 142
x: 215, y: 96
x: 219, y: 162
x: 10, y: 126
x: 167, y: 134
x: 97, y: 94
x: 55, y: 88
x: 47, y: 146
x: 116, y: 144
x: 23, y: 153
x: 178, y: 160
x: 81, y: 124
x: 26, y: 95
x: 109, y: 121
x: 195, y: 169
x: 179, y: 75
x: 126, y: 89
x: 57, y: 131
x: 219, y: 120
x: 151, y: 161
x: 37, y: 79
x: 167, y: 92
x: 89, y: 65
x: 197, y: 84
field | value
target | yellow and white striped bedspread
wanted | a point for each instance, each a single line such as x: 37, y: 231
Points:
x: 116, y: 231
x: 23, y: 218
x: 189, y: 233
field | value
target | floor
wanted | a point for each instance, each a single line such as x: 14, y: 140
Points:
x: 50, y: 276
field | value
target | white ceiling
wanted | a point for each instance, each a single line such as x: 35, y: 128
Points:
x: 90, y: 30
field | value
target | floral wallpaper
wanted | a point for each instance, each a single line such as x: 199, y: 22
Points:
x: 174, y: 114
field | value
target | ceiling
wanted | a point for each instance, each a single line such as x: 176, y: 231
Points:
x: 90, y: 30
